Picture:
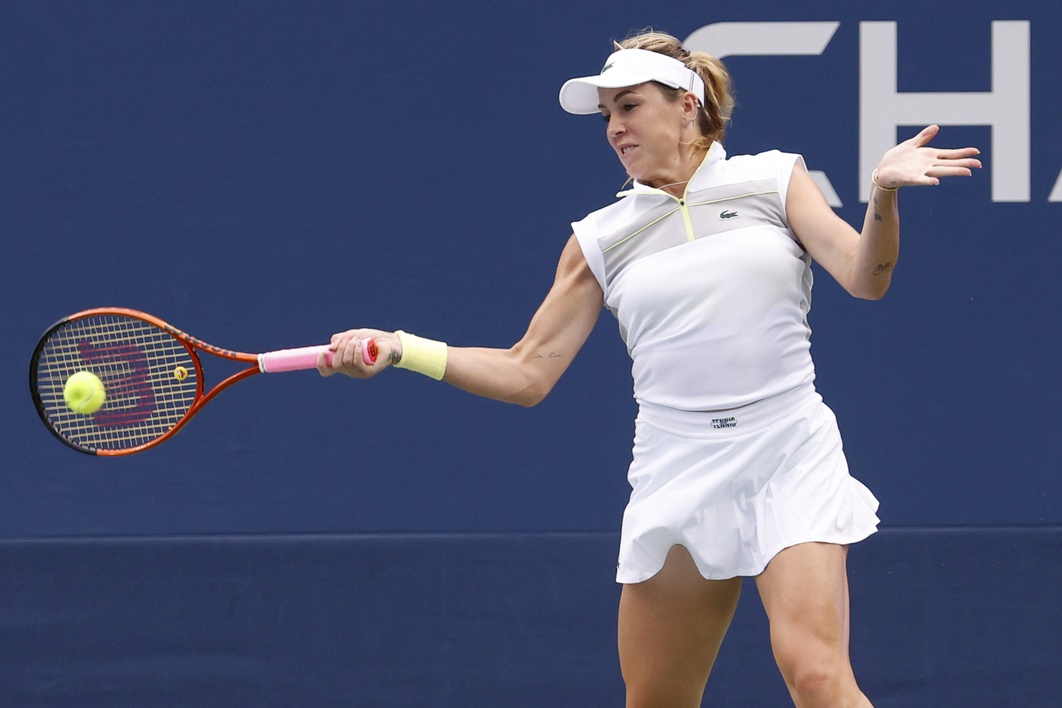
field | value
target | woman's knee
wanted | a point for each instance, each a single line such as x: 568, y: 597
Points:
x: 816, y: 675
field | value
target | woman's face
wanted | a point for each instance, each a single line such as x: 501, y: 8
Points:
x: 646, y: 131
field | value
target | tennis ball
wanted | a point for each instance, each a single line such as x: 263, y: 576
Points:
x: 84, y: 392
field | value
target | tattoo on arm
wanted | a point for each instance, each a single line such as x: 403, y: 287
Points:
x: 883, y: 268
x: 877, y: 212
x: 551, y: 355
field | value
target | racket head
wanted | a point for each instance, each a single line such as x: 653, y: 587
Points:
x: 153, y: 380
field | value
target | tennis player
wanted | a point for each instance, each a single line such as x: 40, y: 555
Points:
x: 738, y: 469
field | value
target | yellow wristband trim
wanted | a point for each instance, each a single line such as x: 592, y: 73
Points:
x: 425, y: 356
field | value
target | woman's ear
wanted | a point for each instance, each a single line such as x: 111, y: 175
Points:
x: 690, y: 107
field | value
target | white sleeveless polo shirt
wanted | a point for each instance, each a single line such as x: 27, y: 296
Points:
x: 735, y: 455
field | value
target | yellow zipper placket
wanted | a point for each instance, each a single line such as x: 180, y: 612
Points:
x: 686, y: 220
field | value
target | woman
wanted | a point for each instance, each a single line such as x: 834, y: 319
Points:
x: 737, y: 466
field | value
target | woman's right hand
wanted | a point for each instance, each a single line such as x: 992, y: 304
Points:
x: 347, y: 357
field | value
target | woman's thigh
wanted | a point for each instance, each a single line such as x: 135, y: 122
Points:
x: 804, y: 590
x: 670, y: 630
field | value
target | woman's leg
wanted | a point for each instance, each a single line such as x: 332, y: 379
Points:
x: 670, y: 630
x: 805, y: 593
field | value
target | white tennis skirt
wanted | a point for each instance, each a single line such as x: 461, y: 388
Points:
x: 736, y: 487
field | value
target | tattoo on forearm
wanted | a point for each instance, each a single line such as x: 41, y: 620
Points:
x: 551, y: 355
x: 394, y: 357
x: 883, y: 268
x: 877, y: 212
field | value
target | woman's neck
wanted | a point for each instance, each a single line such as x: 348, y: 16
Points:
x: 675, y: 182
x: 675, y: 189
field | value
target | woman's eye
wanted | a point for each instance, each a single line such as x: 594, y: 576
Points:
x: 629, y: 107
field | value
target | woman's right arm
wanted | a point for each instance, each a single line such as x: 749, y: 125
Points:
x: 523, y: 374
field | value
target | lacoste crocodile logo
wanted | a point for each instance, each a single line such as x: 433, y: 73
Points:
x: 725, y: 215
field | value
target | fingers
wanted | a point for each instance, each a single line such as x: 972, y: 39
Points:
x: 928, y: 133
x: 963, y: 158
x: 914, y: 163
x: 954, y: 163
x: 347, y: 356
x: 323, y: 367
x: 924, y: 136
x: 949, y: 171
x: 958, y: 153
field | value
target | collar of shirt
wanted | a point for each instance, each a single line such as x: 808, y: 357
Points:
x: 716, y: 153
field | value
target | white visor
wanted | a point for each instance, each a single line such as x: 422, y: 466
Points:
x: 628, y: 67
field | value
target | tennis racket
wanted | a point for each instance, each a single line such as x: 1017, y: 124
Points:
x: 151, y: 373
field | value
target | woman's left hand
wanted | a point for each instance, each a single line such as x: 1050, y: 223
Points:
x: 913, y: 162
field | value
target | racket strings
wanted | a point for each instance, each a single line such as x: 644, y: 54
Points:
x: 150, y: 378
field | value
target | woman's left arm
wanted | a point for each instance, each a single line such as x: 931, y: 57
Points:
x: 862, y: 262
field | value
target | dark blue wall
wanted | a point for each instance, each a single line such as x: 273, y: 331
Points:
x: 964, y: 617
x: 263, y: 174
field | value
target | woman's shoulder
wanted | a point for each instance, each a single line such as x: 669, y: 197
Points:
x: 763, y: 160
x: 618, y: 212
x: 767, y: 165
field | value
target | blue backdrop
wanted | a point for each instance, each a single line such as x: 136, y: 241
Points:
x: 263, y: 174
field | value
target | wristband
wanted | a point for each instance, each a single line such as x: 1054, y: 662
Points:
x: 425, y: 356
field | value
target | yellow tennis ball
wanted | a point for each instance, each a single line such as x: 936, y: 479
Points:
x: 84, y: 392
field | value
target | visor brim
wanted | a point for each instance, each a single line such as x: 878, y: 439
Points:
x: 579, y: 96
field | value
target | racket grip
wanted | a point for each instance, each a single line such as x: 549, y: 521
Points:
x: 306, y: 357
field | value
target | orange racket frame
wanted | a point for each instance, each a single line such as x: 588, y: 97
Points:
x: 152, y: 375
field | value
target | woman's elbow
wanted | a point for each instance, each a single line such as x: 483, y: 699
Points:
x: 872, y: 284
x: 873, y: 290
x: 531, y: 395
x: 530, y: 381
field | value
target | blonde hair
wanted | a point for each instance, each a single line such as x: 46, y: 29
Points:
x: 719, y: 101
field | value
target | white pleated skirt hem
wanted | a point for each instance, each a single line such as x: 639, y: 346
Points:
x: 737, y: 487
